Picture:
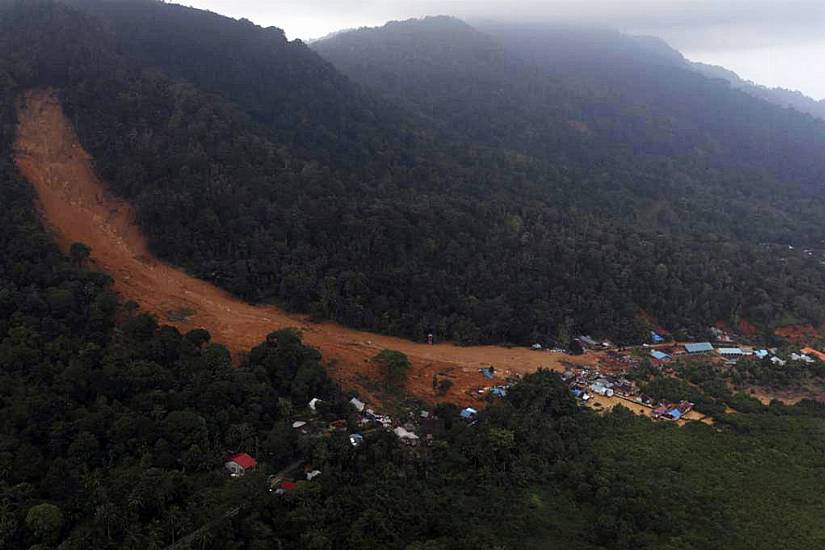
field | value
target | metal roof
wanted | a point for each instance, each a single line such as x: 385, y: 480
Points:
x: 698, y: 347
x: 730, y: 351
x: 660, y: 355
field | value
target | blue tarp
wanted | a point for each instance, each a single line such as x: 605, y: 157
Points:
x: 675, y: 414
x: 655, y: 338
x: 469, y: 412
x: 499, y: 391
x: 576, y: 392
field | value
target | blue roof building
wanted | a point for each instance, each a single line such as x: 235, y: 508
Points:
x: 700, y: 347
x: 659, y: 355
x: 469, y: 412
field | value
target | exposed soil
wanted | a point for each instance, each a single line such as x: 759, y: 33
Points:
x: 789, y: 396
x: 603, y: 403
x: 748, y: 329
x: 76, y: 205
x: 796, y: 333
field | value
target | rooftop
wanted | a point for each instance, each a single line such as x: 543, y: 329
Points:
x: 242, y: 459
x: 699, y: 347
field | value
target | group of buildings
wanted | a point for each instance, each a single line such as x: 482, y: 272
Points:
x: 729, y: 353
x: 587, y: 382
x: 732, y: 353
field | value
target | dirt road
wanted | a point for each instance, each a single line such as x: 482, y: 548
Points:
x: 76, y: 205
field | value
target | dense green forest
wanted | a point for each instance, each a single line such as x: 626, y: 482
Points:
x: 114, y: 428
x: 281, y: 180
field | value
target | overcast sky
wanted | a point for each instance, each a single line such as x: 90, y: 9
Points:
x: 772, y: 42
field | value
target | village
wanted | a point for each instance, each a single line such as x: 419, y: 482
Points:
x: 596, y: 374
x: 417, y: 428
x: 604, y: 384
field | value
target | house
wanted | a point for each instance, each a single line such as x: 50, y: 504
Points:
x: 660, y: 356
x: 777, y: 361
x: 700, y: 347
x: 586, y: 342
x: 656, y: 338
x: 730, y: 353
x: 468, y: 413
x: 811, y: 351
x: 761, y: 353
x: 536, y: 347
x: 239, y: 463
x: 406, y: 436
x: 313, y: 474
x: 488, y: 372
x: 685, y: 406
x: 803, y: 358
x: 358, y: 404
x: 499, y: 391
x: 356, y: 439
x: 298, y: 424
x: 286, y: 486
x: 313, y: 403
x: 384, y: 420
x: 604, y: 382
x: 601, y: 389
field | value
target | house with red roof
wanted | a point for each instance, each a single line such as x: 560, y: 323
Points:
x: 239, y: 463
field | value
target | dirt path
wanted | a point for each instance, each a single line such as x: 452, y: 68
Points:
x: 75, y: 204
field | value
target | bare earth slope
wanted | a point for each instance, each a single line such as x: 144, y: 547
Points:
x: 77, y: 207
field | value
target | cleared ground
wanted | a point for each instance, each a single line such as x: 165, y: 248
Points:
x: 76, y: 205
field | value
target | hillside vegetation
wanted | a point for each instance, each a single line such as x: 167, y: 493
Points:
x: 114, y: 426
x: 531, y: 211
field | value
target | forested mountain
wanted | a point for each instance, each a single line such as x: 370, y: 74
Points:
x: 479, y: 194
x: 633, y: 96
x: 114, y: 427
